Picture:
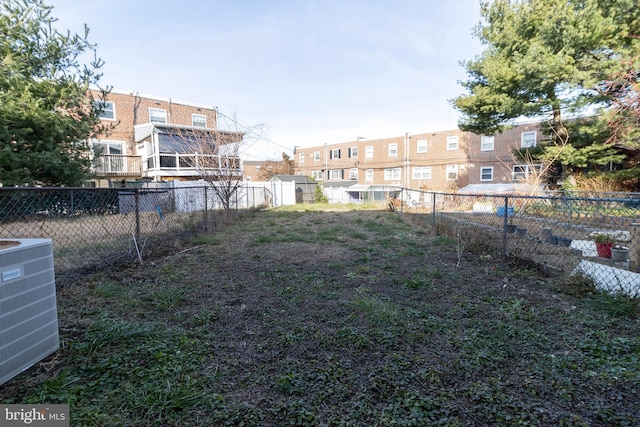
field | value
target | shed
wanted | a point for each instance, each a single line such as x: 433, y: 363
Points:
x: 305, y: 186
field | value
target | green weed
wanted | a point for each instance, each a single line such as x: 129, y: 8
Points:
x: 167, y: 298
x: 418, y: 282
x: 207, y: 240
x: 619, y: 305
x: 107, y: 290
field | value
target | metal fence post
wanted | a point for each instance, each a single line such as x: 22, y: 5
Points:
x: 206, y: 210
x: 504, y: 225
x: 634, y: 247
x: 73, y: 207
x: 137, y: 208
x: 433, y: 212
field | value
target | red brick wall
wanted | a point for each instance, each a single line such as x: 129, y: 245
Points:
x: 468, y: 158
x: 502, y: 157
x: 133, y: 109
x: 437, y: 157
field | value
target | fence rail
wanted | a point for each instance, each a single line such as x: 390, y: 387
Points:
x: 117, y: 165
x: 94, y: 228
x: 594, y: 237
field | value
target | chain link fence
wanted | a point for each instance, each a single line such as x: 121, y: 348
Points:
x: 96, y: 228
x: 596, y: 236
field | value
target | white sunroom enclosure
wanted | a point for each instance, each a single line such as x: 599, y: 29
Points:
x: 175, y: 151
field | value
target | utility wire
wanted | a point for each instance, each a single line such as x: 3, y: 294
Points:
x: 253, y: 132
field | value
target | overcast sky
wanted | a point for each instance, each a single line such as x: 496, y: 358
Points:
x: 311, y: 71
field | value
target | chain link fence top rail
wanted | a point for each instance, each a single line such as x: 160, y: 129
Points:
x: 594, y: 235
x: 94, y: 228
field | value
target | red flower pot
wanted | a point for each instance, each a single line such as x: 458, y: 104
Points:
x: 604, y: 249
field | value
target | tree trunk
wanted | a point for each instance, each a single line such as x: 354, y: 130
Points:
x: 560, y: 135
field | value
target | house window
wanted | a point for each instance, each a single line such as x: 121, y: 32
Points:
x: 157, y: 115
x: 301, y: 158
x: 422, y: 146
x: 452, y: 172
x: 353, y: 173
x: 393, y: 150
x: 317, y: 175
x: 368, y: 152
x: 486, y: 173
x: 422, y: 172
x: 353, y: 152
x: 334, y: 154
x: 108, y: 148
x: 452, y: 143
x: 316, y: 156
x: 392, y: 174
x: 336, y: 174
x: 109, y: 156
x: 521, y: 172
x: 486, y: 143
x: 199, y: 120
x: 106, y: 109
x: 368, y: 175
x: 528, y: 139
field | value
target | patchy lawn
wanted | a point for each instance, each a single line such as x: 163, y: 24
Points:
x: 338, y: 318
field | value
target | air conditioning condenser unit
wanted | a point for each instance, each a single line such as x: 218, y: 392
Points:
x: 28, y: 310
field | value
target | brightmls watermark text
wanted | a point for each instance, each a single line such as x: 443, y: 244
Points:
x: 34, y: 415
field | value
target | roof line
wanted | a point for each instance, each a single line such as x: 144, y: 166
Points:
x: 160, y: 98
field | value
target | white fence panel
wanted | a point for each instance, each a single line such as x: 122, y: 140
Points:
x: 249, y: 195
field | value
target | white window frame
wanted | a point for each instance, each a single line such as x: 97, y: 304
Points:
x: 392, y: 174
x: 452, y: 169
x: 317, y: 175
x: 353, y: 174
x: 301, y: 158
x: 157, y: 112
x: 353, y: 151
x: 106, y: 160
x: 368, y: 175
x: 108, y: 107
x: 422, y: 146
x: 119, y: 145
x: 199, y: 120
x: 528, y: 139
x: 452, y: 143
x: 393, y: 150
x: 368, y: 152
x: 421, y: 172
x: 487, y: 143
x: 524, y: 172
x: 485, y: 169
x: 316, y: 156
x: 334, y: 153
x: 336, y: 174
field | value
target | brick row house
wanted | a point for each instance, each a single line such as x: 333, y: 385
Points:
x: 439, y: 161
x: 152, y: 139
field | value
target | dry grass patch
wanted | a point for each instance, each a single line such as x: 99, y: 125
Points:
x: 332, y: 319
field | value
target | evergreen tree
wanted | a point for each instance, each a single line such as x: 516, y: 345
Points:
x: 548, y: 60
x: 46, y: 113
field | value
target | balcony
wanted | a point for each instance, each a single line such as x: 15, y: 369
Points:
x: 117, y: 165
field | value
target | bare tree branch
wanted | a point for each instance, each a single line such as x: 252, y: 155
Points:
x: 214, y: 154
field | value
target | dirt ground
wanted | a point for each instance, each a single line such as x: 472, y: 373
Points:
x: 343, y: 318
